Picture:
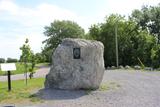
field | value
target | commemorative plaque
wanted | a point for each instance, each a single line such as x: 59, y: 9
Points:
x: 76, y: 53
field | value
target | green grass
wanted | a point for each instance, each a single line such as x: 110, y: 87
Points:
x: 20, y: 92
x: 109, y: 86
x: 105, y: 86
x: 42, y: 64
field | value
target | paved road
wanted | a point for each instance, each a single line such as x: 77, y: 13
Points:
x: 41, y: 72
x: 136, y: 89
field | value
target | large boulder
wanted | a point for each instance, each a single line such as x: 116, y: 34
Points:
x: 77, y: 64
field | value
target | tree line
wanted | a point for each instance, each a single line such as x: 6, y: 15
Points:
x: 9, y: 60
x: 138, y: 37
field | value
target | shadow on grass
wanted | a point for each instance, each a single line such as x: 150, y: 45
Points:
x: 55, y: 94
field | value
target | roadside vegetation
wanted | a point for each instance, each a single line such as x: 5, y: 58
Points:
x: 42, y: 64
x: 138, y: 37
x: 20, y: 93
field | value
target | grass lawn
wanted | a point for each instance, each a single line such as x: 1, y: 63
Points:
x: 42, y: 64
x: 20, y: 92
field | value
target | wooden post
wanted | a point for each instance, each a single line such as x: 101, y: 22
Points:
x: 9, y: 80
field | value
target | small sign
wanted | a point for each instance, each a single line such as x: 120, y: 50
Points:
x: 76, y: 53
x: 8, y: 67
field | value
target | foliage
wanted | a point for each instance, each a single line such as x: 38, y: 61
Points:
x: 42, y: 64
x: 149, y: 18
x: 33, y: 61
x: 138, y: 37
x: 155, y: 56
x: 2, y: 60
x: 11, y: 60
x: 47, y: 52
x: 132, y: 41
x: 109, y: 86
x: 20, y: 92
x: 26, y: 52
x: 57, y: 31
x: 106, y: 86
x: 40, y: 58
x: 26, y: 57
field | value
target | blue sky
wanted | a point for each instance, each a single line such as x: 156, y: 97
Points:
x: 20, y: 19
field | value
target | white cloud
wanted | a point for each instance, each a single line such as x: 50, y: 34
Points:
x: 125, y: 7
x: 30, y: 22
x: 8, y: 5
x: 42, y: 14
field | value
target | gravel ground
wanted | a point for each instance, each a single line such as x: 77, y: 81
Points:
x: 135, y: 89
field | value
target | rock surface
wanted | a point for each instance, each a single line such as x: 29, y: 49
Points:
x: 72, y: 71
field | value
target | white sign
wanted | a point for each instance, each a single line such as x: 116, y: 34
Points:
x: 8, y: 67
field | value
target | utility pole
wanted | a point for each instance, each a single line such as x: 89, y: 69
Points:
x: 116, y: 42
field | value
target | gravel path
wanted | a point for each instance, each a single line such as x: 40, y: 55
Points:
x: 135, y: 89
x: 41, y: 72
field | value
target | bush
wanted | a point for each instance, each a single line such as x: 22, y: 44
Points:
x: 40, y: 58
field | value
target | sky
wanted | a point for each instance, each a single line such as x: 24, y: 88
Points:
x: 21, y: 19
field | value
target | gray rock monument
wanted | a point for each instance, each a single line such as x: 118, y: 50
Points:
x: 77, y: 64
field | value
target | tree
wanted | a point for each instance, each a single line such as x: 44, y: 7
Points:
x: 105, y: 33
x: 33, y: 61
x: 148, y: 18
x: 26, y: 56
x: 57, y: 31
x: 2, y: 60
x: 155, y: 56
x: 40, y: 58
x: 133, y: 42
